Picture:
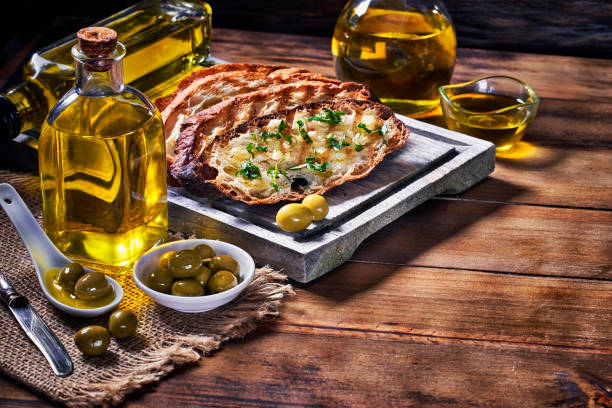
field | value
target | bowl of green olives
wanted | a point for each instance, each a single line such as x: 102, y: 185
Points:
x: 194, y: 275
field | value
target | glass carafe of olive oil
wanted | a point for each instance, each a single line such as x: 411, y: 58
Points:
x: 165, y: 39
x: 102, y: 162
x: 403, y: 50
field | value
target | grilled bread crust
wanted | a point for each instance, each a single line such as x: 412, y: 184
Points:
x: 202, y: 128
x: 208, y: 171
x: 198, y: 94
x: 162, y: 103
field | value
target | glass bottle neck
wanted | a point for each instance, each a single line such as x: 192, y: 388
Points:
x: 99, y: 76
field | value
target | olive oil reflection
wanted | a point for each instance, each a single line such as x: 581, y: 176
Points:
x: 104, y: 193
x: 403, y: 57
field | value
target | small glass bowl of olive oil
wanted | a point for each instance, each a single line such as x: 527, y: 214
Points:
x: 497, y: 108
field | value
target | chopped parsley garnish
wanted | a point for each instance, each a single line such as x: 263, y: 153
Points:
x: 267, y: 135
x: 331, y: 117
x: 359, y: 147
x: 381, y: 129
x: 311, y: 164
x: 282, y: 126
x: 335, y: 143
x: 252, y: 148
x: 249, y: 171
x: 253, y: 136
x: 276, y: 187
x: 275, y: 172
x: 303, y: 132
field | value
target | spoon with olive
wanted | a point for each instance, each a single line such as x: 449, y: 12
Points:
x: 45, y: 255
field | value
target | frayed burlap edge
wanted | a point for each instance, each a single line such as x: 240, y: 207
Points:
x: 260, y: 300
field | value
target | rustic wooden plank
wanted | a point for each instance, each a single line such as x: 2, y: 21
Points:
x: 299, y: 370
x: 496, y: 237
x: 389, y: 301
x: 550, y: 27
x: 549, y: 176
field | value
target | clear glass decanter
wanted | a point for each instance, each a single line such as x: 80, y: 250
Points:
x: 403, y: 50
x: 102, y: 162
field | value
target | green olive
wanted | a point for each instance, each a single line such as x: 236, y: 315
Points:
x: 69, y: 275
x: 203, y: 275
x: 317, y: 205
x: 122, y: 323
x: 221, y: 281
x: 225, y: 263
x: 184, y: 264
x: 92, y: 340
x: 293, y: 217
x: 92, y: 286
x: 187, y: 287
x: 204, y: 251
x: 160, y: 280
x: 165, y: 258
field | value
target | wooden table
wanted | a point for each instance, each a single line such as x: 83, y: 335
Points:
x: 497, y: 297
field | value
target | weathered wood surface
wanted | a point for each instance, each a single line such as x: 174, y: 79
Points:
x: 561, y: 27
x: 496, y: 297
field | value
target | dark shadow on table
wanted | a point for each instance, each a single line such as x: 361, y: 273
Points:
x: 447, y: 218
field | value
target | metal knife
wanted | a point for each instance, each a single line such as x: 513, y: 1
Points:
x: 36, y: 329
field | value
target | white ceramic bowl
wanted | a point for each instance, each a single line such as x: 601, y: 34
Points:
x: 194, y: 304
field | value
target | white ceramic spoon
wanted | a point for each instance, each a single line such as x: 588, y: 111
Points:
x: 44, y: 254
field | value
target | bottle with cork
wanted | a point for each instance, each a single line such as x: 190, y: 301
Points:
x: 102, y: 162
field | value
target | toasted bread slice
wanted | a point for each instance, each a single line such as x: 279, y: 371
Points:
x: 291, y: 153
x: 162, y: 103
x: 202, y: 93
x: 201, y: 129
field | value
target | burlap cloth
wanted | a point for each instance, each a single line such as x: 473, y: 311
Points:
x: 164, y: 340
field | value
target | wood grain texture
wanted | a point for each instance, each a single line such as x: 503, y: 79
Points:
x: 302, y: 370
x: 451, y: 305
x: 518, y: 239
x: 562, y: 27
x: 553, y: 176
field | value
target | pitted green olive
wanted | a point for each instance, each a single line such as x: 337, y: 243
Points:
x: 293, y: 217
x: 221, y: 281
x: 203, y: 275
x: 204, y: 251
x: 223, y: 262
x: 122, y: 323
x: 184, y: 264
x: 160, y: 280
x: 92, y: 286
x: 69, y: 275
x: 92, y: 340
x: 317, y: 205
x: 187, y: 287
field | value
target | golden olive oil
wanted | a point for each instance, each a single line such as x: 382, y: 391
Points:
x: 402, y: 56
x: 102, y: 166
x: 503, y: 128
x: 164, y: 41
x: 68, y: 298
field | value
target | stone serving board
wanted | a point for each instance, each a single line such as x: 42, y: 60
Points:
x: 433, y: 161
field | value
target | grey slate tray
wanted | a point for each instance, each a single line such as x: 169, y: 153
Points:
x: 433, y: 161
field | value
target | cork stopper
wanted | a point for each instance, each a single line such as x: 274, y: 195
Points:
x: 97, y: 42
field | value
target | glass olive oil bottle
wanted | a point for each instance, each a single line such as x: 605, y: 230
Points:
x: 402, y: 50
x: 102, y: 161
x: 165, y: 39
